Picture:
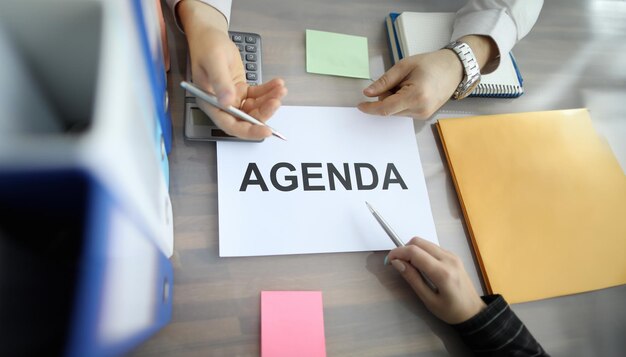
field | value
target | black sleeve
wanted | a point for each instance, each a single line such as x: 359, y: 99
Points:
x: 497, y: 331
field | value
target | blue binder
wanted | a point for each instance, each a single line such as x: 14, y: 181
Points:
x: 79, y: 275
x: 156, y: 72
x: 161, y: 153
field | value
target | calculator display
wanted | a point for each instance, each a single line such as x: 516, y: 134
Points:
x: 199, y: 118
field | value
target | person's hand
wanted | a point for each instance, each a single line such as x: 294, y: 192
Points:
x: 217, y: 68
x: 417, y: 86
x: 456, y: 300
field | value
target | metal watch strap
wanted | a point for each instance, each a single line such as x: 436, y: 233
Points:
x: 470, y: 67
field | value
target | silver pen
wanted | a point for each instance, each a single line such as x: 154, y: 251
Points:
x: 211, y: 99
x: 398, y: 242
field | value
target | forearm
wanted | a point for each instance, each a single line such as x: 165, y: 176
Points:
x: 497, y: 331
x: 196, y: 16
x: 222, y: 6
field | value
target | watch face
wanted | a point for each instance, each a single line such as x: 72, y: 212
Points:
x: 466, y: 87
x: 470, y: 88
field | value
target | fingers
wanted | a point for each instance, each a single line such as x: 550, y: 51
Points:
x: 415, y: 280
x: 385, y: 95
x: 390, y: 105
x: 233, y: 126
x: 430, y: 247
x: 260, y: 101
x: 417, y: 257
x: 262, y: 108
x: 388, y: 80
x: 405, y: 102
x: 263, y: 102
x: 266, y: 109
x: 265, y: 88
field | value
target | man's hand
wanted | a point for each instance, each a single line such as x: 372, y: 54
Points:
x: 416, y: 86
x: 419, y: 85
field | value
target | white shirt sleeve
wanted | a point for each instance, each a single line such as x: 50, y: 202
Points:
x: 505, y: 21
x: 222, y: 6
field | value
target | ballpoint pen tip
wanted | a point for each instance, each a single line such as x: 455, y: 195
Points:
x: 279, y: 135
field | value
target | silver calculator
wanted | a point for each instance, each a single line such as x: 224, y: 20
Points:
x: 197, y: 125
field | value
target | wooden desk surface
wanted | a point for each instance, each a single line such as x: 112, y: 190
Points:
x: 574, y: 57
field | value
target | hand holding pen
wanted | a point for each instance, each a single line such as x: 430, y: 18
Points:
x: 450, y: 295
x: 216, y: 68
x: 204, y: 98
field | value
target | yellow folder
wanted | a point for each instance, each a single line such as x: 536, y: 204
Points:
x: 544, y: 200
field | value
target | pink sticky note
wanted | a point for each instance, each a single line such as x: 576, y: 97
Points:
x: 292, y: 324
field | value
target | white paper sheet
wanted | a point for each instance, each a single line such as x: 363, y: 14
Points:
x: 274, y: 222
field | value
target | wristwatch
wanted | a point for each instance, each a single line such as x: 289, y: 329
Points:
x: 470, y: 67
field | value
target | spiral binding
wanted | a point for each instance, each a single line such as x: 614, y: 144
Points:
x: 497, y: 91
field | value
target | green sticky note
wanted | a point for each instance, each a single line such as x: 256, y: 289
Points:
x: 337, y: 54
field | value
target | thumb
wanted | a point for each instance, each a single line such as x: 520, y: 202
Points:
x: 387, y: 81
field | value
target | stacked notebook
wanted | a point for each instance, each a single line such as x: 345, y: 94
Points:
x: 544, y: 200
x: 411, y: 33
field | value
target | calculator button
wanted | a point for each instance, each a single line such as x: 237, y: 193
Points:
x: 250, y: 39
x: 241, y: 54
x: 240, y: 47
x: 250, y: 48
x: 251, y: 76
x: 250, y: 57
x: 251, y: 66
x: 237, y: 38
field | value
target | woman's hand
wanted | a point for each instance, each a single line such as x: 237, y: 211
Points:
x: 456, y: 299
x: 217, y: 68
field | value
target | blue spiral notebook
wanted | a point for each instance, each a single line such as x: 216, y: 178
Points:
x: 411, y: 33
